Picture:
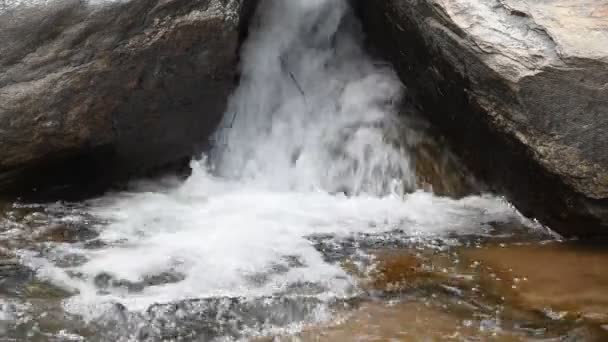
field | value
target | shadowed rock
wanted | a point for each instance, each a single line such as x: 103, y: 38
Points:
x: 108, y: 90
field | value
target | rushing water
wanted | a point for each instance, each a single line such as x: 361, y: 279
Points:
x: 311, y: 163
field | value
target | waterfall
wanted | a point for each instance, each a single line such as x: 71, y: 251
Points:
x: 309, y: 158
x: 313, y: 111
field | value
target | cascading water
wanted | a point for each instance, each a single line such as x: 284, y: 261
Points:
x: 310, y: 149
x: 312, y: 111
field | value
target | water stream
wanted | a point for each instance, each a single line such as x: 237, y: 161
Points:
x: 312, y: 167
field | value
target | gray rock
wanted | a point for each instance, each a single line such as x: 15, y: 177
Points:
x: 520, y: 87
x: 111, y: 89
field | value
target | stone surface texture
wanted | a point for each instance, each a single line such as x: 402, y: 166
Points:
x: 520, y: 86
x: 111, y: 88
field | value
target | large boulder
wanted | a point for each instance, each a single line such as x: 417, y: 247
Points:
x: 111, y: 89
x: 519, y: 87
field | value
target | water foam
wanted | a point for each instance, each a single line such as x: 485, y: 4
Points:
x: 221, y: 234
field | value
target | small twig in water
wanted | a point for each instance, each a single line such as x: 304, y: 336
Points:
x: 293, y: 78
x: 297, y: 84
x: 233, y: 120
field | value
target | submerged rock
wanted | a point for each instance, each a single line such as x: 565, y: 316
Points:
x: 408, y: 321
x: 111, y: 89
x: 65, y: 233
x: 508, y: 290
x: 526, y: 275
x: 13, y: 277
x: 520, y: 89
x: 396, y: 271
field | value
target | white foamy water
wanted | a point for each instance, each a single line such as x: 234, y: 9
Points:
x: 312, y: 111
x: 310, y: 145
x: 220, y: 234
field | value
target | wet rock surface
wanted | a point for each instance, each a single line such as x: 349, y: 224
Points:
x: 518, y: 88
x: 113, y: 89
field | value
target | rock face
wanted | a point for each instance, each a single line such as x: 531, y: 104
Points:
x: 112, y: 89
x: 519, y: 87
